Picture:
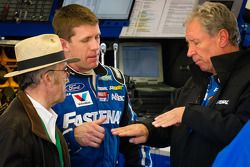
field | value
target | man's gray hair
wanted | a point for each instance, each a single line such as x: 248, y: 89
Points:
x: 214, y: 17
x: 32, y: 79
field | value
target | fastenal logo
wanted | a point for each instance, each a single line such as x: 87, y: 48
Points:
x: 82, y: 99
x: 118, y: 87
x: 72, y: 119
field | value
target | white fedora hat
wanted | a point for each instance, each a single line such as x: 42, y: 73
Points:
x: 38, y: 52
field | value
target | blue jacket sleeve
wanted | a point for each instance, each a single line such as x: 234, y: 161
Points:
x: 237, y: 153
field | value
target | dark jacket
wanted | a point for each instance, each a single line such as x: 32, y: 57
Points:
x: 23, y: 139
x: 204, y: 131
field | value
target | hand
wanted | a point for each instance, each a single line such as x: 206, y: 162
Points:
x: 172, y: 117
x: 138, y: 132
x: 90, y: 133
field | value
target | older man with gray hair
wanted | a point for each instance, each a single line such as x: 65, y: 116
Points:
x: 28, y: 133
x: 214, y: 104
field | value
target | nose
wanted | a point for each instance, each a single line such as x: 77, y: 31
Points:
x: 95, y: 44
x: 190, y: 51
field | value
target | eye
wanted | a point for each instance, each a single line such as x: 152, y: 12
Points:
x: 85, y: 40
x: 98, y: 37
x: 196, y: 43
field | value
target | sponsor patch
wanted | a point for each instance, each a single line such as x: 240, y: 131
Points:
x: 106, y: 78
x: 74, y: 87
x: 118, y: 87
x: 103, y: 96
x: 117, y: 97
x: 112, y: 117
x: 102, y: 88
x: 226, y: 102
x: 82, y: 99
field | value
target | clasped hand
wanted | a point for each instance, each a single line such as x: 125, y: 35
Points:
x: 139, y: 132
x: 90, y: 133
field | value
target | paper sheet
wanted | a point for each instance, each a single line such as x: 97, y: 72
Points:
x: 158, y: 18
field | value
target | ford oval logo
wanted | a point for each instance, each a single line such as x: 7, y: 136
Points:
x: 74, y: 87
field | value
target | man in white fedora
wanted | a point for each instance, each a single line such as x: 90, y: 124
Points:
x: 28, y: 133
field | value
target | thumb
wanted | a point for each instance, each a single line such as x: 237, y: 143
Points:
x: 100, y: 121
x: 137, y: 140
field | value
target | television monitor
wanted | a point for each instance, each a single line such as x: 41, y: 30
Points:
x: 106, y: 9
x: 141, y: 61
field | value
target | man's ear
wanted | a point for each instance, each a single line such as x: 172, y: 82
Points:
x: 65, y: 45
x: 47, y: 78
x: 223, y: 38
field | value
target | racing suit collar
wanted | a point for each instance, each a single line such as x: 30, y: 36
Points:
x: 98, y: 70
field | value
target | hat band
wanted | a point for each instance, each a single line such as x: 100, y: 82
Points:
x: 39, y: 61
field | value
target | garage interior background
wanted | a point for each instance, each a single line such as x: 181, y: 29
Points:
x: 20, y: 19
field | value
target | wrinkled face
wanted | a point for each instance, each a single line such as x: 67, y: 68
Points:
x: 59, y: 80
x: 84, y: 44
x: 201, y: 46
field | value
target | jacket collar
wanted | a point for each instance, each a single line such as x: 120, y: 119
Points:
x: 37, y: 125
x: 199, y: 77
x: 227, y: 63
x: 36, y: 122
x: 223, y: 64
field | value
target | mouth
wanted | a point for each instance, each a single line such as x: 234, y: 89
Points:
x: 93, y: 58
x: 96, y: 55
x: 197, y: 62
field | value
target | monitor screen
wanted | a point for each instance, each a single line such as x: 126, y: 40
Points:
x: 106, y: 9
x: 141, y: 61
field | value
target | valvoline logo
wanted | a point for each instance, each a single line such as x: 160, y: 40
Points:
x: 74, y: 87
x: 82, y: 99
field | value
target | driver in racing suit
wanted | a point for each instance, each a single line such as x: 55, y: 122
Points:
x: 102, y: 93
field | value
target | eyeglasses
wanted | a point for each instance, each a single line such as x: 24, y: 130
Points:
x: 65, y: 70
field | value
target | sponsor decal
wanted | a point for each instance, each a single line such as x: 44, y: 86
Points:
x: 102, y: 88
x: 106, y: 78
x: 74, y: 87
x: 117, y: 97
x: 103, y: 96
x: 82, y: 99
x: 118, y: 87
x: 216, y: 89
x: 226, y: 102
x: 112, y: 117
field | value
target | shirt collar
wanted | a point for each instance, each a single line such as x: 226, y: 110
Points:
x: 47, y: 116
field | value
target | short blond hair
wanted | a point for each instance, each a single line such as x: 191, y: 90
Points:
x: 70, y: 16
